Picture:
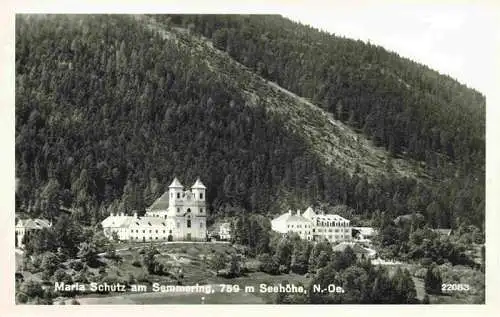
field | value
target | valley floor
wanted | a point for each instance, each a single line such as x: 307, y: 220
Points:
x: 193, y: 259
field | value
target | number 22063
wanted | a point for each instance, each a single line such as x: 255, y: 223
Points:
x: 446, y: 287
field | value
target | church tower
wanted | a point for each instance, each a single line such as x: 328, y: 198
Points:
x: 198, y: 190
x: 200, y: 210
x: 175, y: 192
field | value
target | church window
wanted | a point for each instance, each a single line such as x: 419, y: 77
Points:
x: 178, y: 195
x: 156, y: 230
x: 189, y: 223
x: 171, y: 195
x: 156, y: 238
x: 201, y: 195
x: 178, y: 210
x: 178, y: 224
x: 201, y: 210
x: 201, y: 224
x: 143, y: 231
x: 149, y: 230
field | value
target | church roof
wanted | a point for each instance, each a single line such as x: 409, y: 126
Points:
x: 198, y: 184
x: 175, y: 183
x: 161, y: 203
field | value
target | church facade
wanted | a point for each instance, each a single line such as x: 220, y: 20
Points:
x: 177, y: 215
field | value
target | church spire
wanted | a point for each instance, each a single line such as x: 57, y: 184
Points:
x: 198, y: 184
x: 175, y: 183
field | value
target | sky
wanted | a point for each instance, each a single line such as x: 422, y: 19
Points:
x: 454, y: 39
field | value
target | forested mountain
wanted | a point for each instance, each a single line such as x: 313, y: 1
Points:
x: 110, y: 107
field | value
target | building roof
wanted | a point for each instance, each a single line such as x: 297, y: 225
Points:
x: 330, y: 218
x: 309, y: 213
x: 355, y: 247
x: 33, y: 223
x: 289, y: 217
x: 161, y: 203
x: 408, y: 218
x: 225, y: 225
x: 149, y: 221
x: 127, y: 221
x: 366, y: 231
x: 117, y: 221
x: 445, y: 232
x: 175, y: 184
x: 198, y: 184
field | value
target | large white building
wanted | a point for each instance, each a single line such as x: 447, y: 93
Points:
x: 312, y: 226
x: 177, y: 215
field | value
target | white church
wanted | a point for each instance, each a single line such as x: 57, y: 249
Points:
x: 178, y: 215
x: 313, y: 226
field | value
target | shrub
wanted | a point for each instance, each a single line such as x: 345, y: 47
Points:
x: 269, y: 264
x: 433, y: 280
x: 283, y: 269
x: 32, y: 288
x: 137, y: 263
x: 142, y: 277
x: 131, y: 278
x: 61, y: 276
x: 42, y: 301
x: 81, y: 277
x: 21, y: 298
x: 36, y: 263
x: 76, y: 265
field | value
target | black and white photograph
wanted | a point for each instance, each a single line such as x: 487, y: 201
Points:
x: 268, y: 158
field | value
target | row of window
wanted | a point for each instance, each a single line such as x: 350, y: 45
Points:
x: 150, y: 231
x: 332, y: 230
x: 299, y: 226
x: 305, y: 232
x: 188, y: 224
x: 337, y: 237
x: 331, y: 224
x: 179, y: 195
x: 150, y: 238
x: 320, y: 224
x: 189, y: 210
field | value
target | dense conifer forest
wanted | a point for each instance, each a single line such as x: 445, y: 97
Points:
x: 108, y: 111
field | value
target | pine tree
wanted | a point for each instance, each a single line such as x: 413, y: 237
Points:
x: 433, y: 280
